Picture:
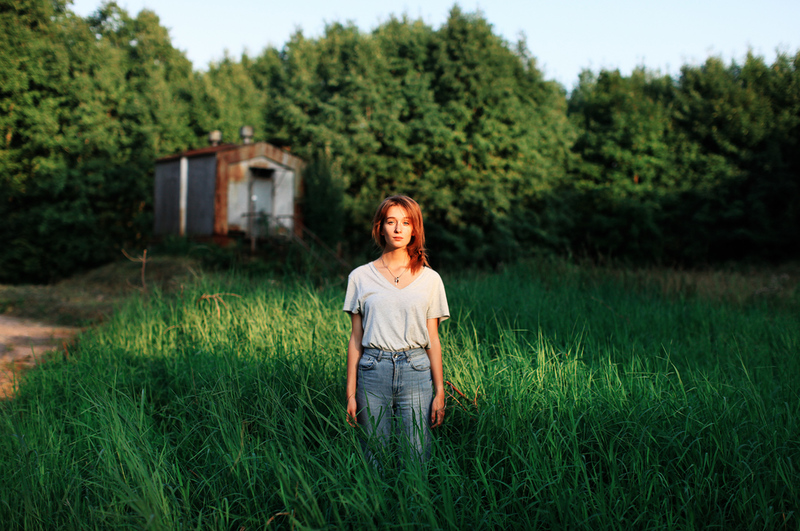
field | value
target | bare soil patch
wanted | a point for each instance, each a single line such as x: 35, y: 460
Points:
x: 23, y: 342
x: 37, y: 319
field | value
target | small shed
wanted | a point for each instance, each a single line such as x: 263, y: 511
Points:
x: 251, y: 189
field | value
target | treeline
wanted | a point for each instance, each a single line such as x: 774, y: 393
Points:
x: 692, y: 169
x: 705, y: 167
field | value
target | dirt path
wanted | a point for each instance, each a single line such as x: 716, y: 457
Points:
x: 22, y: 343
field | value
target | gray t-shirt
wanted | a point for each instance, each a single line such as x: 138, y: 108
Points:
x: 395, y: 319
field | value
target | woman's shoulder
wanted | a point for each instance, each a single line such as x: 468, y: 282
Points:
x: 431, y: 273
x: 361, y: 270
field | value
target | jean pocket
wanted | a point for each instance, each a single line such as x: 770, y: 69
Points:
x: 366, y: 363
x: 420, y: 363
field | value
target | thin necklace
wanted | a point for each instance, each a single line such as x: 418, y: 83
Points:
x: 396, y: 277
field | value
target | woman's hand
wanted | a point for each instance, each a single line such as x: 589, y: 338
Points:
x: 437, y: 410
x: 352, y: 411
x: 354, y: 352
x: 435, y: 355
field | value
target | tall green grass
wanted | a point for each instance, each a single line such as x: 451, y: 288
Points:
x: 589, y: 399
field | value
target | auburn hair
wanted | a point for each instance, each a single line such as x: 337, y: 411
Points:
x: 417, y: 254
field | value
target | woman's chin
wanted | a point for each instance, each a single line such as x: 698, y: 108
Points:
x: 394, y: 246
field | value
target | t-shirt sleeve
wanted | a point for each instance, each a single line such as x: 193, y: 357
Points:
x: 438, y: 303
x: 351, y: 302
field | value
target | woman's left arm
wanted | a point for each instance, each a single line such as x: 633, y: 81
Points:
x: 435, y: 355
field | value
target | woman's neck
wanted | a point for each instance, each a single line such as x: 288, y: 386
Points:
x: 396, y: 259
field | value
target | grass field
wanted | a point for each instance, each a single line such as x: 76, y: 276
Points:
x: 589, y: 399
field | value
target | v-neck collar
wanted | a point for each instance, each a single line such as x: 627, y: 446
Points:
x: 390, y: 283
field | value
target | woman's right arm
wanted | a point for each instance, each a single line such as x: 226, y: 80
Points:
x: 354, y: 351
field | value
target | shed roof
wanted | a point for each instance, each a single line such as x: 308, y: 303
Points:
x: 242, y: 152
x: 198, y: 152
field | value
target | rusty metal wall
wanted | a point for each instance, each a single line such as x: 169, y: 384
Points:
x: 200, y: 195
x: 166, y: 196
x: 233, y: 178
x: 238, y: 195
x: 240, y: 191
x: 219, y: 189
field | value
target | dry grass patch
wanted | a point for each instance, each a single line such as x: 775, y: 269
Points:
x: 90, y: 297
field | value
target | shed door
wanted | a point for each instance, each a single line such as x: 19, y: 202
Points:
x: 261, y: 199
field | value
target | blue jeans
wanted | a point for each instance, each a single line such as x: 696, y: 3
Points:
x: 394, y: 393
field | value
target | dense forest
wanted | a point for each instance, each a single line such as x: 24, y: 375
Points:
x: 692, y: 169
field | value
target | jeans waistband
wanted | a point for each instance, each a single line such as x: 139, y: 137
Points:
x: 379, y: 354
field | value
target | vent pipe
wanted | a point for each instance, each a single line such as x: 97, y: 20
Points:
x: 246, y: 132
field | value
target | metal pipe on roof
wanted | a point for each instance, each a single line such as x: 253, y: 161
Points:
x: 246, y: 132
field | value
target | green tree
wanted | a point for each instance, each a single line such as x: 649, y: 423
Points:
x: 695, y: 169
x: 89, y: 104
x: 627, y: 163
x: 323, y: 208
x: 452, y: 117
x: 746, y: 133
x: 226, y: 98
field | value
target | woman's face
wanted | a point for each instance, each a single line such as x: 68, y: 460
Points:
x: 396, y: 228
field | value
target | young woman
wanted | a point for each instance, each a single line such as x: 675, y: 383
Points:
x: 394, y: 359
